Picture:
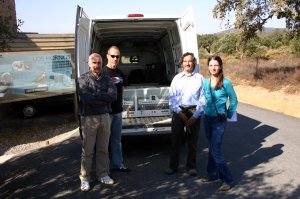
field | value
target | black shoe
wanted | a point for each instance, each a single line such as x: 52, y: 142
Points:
x: 192, y: 172
x: 170, y: 171
x: 208, y: 180
x: 122, y: 169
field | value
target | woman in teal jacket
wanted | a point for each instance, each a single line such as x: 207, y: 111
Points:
x: 217, y: 90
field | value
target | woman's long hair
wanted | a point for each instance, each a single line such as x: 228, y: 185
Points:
x: 220, y: 77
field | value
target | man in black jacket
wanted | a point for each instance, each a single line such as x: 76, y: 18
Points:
x: 96, y: 92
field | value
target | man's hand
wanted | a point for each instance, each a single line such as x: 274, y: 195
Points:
x: 190, y: 121
x: 110, y: 90
x: 182, y: 117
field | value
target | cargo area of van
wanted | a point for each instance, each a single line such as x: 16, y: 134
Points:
x: 150, y: 48
x: 146, y: 51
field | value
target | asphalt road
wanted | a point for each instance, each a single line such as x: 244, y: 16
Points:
x: 262, y: 149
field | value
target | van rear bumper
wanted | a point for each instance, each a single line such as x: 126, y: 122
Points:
x: 146, y: 131
x: 146, y: 125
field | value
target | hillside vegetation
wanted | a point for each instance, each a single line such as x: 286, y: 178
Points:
x: 270, y: 60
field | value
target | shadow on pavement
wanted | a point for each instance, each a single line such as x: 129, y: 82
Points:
x: 52, y: 172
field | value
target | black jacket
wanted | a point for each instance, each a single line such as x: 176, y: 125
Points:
x: 94, y: 98
x: 118, y: 79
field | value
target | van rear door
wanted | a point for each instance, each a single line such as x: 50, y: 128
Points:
x: 82, y: 49
x: 82, y: 42
x: 188, y: 34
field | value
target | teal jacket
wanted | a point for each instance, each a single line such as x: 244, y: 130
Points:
x: 220, y: 98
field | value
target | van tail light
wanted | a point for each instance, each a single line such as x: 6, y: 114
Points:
x: 135, y: 15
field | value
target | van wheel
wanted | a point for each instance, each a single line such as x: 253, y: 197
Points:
x: 29, y: 110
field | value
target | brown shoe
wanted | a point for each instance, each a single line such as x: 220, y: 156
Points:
x: 224, y: 187
x: 208, y: 180
x: 170, y: 171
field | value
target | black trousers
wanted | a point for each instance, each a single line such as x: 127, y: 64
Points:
x: 179, y: 136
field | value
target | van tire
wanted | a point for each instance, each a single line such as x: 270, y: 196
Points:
x: 29, y: 110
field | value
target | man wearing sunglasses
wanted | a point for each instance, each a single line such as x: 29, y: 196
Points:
x: 118, y: 78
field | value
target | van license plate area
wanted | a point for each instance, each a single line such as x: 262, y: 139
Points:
x: 146, y: 102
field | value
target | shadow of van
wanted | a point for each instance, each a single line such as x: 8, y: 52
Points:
x: 42, y: 106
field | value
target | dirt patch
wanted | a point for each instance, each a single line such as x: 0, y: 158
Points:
x: 18, y: 134
x: 26, y: 147
x: 278, y: 101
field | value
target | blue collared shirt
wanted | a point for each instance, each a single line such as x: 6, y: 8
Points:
x: 187, y: 90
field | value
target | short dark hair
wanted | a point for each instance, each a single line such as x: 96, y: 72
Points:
x: 115, y: 47
x: 187, y: 54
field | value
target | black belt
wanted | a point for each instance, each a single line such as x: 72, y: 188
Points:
x: 188, y: 110
x: 187, y: 107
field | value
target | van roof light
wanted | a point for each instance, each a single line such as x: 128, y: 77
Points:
x: 135, y: 15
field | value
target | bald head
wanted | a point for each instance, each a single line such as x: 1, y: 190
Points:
x: 113, y: 57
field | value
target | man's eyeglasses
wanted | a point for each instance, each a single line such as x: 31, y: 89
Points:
x: 115, y: 56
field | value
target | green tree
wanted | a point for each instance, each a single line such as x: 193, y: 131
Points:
x: 295, y: 45
x: 206, y: 41
x: 253, y: 48
x: 274, y: 40
x: 228, y: 44
x: 251, y: 16
x: 8, y: 32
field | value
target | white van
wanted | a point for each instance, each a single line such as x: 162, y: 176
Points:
x: 150, y: 47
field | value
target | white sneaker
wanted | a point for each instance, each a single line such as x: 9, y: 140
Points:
x: 85, y: 185
x: 107, y: 180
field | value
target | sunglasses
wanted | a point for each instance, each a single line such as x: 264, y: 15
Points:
x: 115, y: 56
x: 96, y: 62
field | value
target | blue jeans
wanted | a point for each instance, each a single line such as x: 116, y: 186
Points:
x: 115, y: 140
x: 216, y: 165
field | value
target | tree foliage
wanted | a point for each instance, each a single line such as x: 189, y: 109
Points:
x: 263, y: 45
x: 252, y: 15
x: 275, y: 39
x: 8, y: 32
x: 228, y: 44
x: 206, y: 41
x: 295, y: 45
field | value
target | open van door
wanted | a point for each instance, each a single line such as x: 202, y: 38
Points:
x: 82, y: 34
x: 81, y: 50
x: 188, y: 34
